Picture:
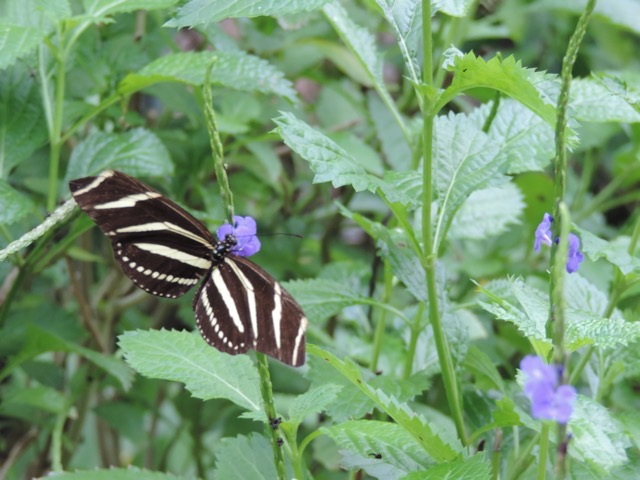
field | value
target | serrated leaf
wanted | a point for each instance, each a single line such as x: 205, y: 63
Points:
x: 361, y: 441
x: 101, y: 8
x: 597, y: 437
x: 312, y: 402
x: 138, y: 152
x: 581, y: 294
x: 405, y: 17
x: 585, y: 328
x: 205, y: 12
x: 488, y: 212
x: 423, y: 433
x: 13, y: 204
x: 403, y: 187
x: 17, y: 41
x: 321, y: 299
x: 237, y: 70
x: 592, y: 101
x: 22, y: 129
x: 131, y: 473
x: 184, y: 357
x: 475, y: 467
x: 329, y: 162
x: 624, y: 13
x: 596, y: 248
x: 241, y: 458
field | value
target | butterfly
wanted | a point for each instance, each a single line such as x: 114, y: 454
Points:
x: 166, y: 251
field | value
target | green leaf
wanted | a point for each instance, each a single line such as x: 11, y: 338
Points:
x: 623, y: 13
x: 131, y: 473
x: 426, y: 435
x: 184, y: 357
x: 237, y: 70
x: 596, y: 248
x: 537, y: 91
x: 488, y: 212
x: 43, y: 398
x: 312, y: 402
x: 242, y: 457
x: 473, y: 468
x: 403, y: 187
x: 17, y: 41
x: 394, y: 145
x: 405, y: 17
x: 98, y: 9
x: 585, y: 328
x: 22, y: 122
x: 597, y: 437
x: 360, y: 441
x: 480, y: 365
x: 454, y: 8
x: 592, y: 101
x: 138, y: 152
x: 14, y: 205
x: 329, y: 162
x: 205, y: 12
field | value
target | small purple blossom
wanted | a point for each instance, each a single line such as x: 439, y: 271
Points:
x: 549, y: 401
x: 244, y: 229
x: 543, y: 235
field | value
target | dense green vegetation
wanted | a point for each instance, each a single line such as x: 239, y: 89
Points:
x: 337, y: 122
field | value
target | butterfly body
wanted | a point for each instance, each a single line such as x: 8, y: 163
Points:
x: 166, y: 251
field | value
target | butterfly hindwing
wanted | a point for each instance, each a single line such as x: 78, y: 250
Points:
x: 239, y: 306
x: 159, y: 245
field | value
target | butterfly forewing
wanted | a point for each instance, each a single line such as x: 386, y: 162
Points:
x: 159, y: 245
x: 239, y: 306
x: 165, y: 251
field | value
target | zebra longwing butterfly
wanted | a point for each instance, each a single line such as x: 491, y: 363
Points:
x: 166, y: 251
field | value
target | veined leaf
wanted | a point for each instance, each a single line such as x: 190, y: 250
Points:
x: 423, y: 433
x: 205, y: 12
x: 43, y: 398
x: 244, y: 457
x: 312, y: 402
x: 403, y: 187
x: 455, y: 8
x: 597, y: 248
x: 361, y: 441
x: 17, y: 41
x: 13, y: 204
x: 237, y: 70
x: 592, y: 101
x: 138, y: 152
x: 394, y: 145
x: 475, y: 467
x: 329, y: 162
x: 488, y: 212
x: 102, y: 8
x: 184, y: 357
x: 585, y: 328
x: 623, y: 13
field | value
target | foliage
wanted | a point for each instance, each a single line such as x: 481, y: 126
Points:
x: 415, y: 268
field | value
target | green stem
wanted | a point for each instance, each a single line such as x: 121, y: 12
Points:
x: 416, y: 328
x: 544, y: 451
x: 270, y: 410
x: 56, y: 442
x: 429, y: 256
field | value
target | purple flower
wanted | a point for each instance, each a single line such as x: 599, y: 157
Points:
x: 543, y: 235
x: 549, y: 401
x: 244, y: 229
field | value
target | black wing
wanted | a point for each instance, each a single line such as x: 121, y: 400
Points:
x: 240, y: 306
x: 159, y: 246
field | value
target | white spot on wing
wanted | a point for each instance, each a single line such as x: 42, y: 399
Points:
x: 216, y: 276
x: 165, y: 227
x: 303, y: 326
x: 175, y: 254
x: 128, y: 201
x: 97, y: 181
x: 276, y: 314
x: 251, y: 296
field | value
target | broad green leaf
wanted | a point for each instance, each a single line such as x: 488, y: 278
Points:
x: 585, y: 328
x: 403, y: 187
x: 138, y: 152
x: 596, y: 248
x: 205, y: 12
x: 17, y: 41
x: 624, y: 13
x: 363, y: 44
x: 505, y: 414
x: 455, y: 8
x: 476, y: 467
x: 43, y: 398
x: 537, y: 91
x: 312, y: 402
x: 329, y: 162
x: 592, y: 101
x: 405, y: 17
x: 244, y: 457
x: 480, y: 365
x: 423, y: 433
x: 14, y: 205
x: 597, y: 437
x: 321, y: 299
x: 360, y: 441
x: 394, y: 145
x: 488, y: 212
x: 39, y: 14
x: 344, y: 59
x: 131, y: 473
x: 22, y: 122
x: 237, y: 70
x: 124, y: 416
x: 581, y: 294
x: 184, y: 357
x: 39, y: 341
x: 101, y: 8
